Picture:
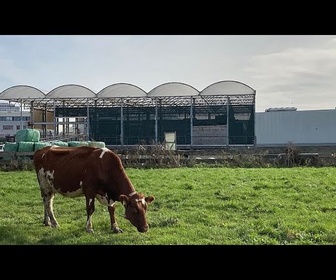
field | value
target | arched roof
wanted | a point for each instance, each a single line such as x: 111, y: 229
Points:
x: 227, y: 88
x: 70, y: 91
x: 173, y: 89
x: 19, y: 92
x: 171, y: 93
x: 121, y: 90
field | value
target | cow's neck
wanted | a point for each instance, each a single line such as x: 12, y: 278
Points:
x: 126, y: 187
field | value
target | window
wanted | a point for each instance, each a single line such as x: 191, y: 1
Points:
x: 7, y: 127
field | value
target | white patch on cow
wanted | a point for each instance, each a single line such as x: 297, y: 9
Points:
x: 50, y: 174
x: 41, y: 171
x: 81, y: 183
x: 104, y: 150
x: 90, y: 201
x: 43, y: 155
x: 43, y: 180
x: 142, y: 201
x: 104, y: 200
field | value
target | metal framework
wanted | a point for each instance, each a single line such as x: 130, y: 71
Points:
x: 222, y: 114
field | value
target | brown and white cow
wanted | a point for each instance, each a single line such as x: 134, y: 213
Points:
x: 96, y: 173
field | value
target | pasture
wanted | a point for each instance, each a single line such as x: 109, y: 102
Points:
x: 193, y: 206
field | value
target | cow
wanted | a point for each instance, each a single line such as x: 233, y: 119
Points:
x: 96, y: 173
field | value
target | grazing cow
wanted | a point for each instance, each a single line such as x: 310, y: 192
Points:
x: 92, y: 172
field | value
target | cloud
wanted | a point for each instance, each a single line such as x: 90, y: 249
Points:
x: 284, y: 70
x: 296, y: 76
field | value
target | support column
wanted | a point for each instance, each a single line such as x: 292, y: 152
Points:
x: 122, y: 123
x: 156, y: 122
x: 192, y: 102
x: 227, y: 121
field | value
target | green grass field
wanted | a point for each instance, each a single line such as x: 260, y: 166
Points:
x: 193, y: 206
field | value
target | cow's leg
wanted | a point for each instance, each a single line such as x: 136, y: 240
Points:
x: 46, y: 219
x: 90, y: 208
x: 114, y: 225
x: 48, y: 200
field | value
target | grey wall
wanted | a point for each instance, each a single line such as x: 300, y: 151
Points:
x: 297, y: 127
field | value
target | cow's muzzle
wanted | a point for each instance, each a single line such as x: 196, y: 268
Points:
x: 143, y: 229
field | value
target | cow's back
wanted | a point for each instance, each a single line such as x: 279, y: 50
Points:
x: 61, y: 157
x: 65, y: 167
x: 69, y: 169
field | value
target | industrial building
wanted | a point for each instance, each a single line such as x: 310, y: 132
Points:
x: 221, y: 115
x: 122, y: 114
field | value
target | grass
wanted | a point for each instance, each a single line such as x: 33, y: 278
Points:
x: 192, y: 206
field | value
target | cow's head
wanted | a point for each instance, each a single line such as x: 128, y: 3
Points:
x: 135, y: 209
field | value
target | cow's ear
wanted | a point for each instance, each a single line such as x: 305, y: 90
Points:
x: 123, y: 199
x: 149, y: 199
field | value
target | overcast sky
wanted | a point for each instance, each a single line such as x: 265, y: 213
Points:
x: 285, y: 70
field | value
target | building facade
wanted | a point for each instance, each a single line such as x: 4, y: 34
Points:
x: 12, y: 119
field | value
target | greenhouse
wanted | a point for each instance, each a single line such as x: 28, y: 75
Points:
x: 222, y: 114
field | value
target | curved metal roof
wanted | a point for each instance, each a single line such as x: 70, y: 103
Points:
x: 71, y: 91
x: 171, y: 93
x: 227, y: 88
x: 173, y: 89
x: 19, y: 92
x: 121, y: 90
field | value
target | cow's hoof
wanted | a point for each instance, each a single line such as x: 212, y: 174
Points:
x: 89, y: 230
x: 50, y: 224
x: 117, y: 230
